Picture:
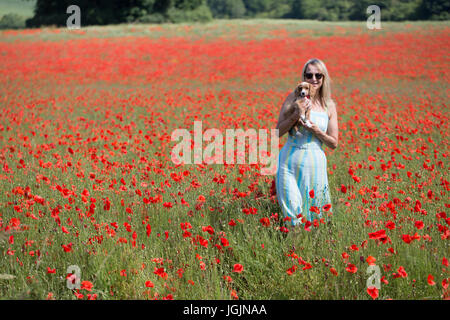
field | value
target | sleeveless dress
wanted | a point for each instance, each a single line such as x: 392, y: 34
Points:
x: 302, y: 167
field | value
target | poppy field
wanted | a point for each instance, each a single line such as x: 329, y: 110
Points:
x: 92, y: 206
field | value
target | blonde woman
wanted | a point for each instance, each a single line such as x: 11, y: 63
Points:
x: 301, y: 179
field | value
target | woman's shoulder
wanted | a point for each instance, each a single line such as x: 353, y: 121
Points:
x: 331, y: 104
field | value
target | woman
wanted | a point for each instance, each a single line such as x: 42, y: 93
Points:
x: 302, y: 164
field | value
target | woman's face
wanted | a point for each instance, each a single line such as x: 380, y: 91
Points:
x: 312, y: 69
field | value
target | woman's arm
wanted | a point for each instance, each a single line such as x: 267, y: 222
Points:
x: 285, y: 122
x: 330, y: 138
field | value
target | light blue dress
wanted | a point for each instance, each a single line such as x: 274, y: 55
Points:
x: 302, y: 166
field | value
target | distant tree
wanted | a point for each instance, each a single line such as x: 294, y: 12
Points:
x: 201, y: 13
x: 401, y: 10
x: 12, y: 21
x: 358, y: 10
x: 227, y: 8
x: 186, y: 4
x: 254, y: 7
x: 101, y: 12
x: 434, y: 10
x: 306, y: 9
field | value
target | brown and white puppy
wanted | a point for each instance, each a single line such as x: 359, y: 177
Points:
x: 304, y: 90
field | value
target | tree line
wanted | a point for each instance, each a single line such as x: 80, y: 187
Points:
x: 102, y: 12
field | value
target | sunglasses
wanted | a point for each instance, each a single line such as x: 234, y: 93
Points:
x: 309, y: 76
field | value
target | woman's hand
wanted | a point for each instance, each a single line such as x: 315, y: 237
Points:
x: 309, y: 125
x: 313, y: 128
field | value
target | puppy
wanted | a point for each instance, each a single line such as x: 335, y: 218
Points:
x: 304, y: 90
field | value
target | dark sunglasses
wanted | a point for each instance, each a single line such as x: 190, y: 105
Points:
x: 309, y: 76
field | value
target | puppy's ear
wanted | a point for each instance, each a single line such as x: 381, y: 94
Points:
x: 298, y: 89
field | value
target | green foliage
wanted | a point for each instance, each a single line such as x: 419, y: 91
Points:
x: 152, y: 18
x: 391, y: 10
x: 257, y: 6
x: 227, y: 8
x: 199, y: 14
x: 400, y: 10
x: 12, y: 21
x: 435, y: 10
x: 101, y: 12
x: 187, y: 4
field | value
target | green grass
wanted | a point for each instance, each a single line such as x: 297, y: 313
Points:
x: 252, y: 29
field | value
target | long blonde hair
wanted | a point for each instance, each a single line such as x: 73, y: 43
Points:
x: 325, y: 89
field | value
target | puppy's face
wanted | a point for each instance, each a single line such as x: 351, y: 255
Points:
x: 304, y: 89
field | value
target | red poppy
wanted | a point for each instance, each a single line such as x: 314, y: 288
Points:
x: 168, y: 204
x: 14, y: 222
x: 67, y: 248
x: 390, y: 225
x: 265, y: 221
x: 445, y: 284
x: 430, y: 280
x: 401, y: 273
x: 333, y: 271
x: 314, y: 209
x: 373, y: 292
x: 160, y: 272
x: 87, y: 285
x: 185, y: 225
x: 307, y: 266
x: 238, y: 268
x: 308, y: 224
x: 51, y: 270
x: 208, y: 229
x: 224, y: 242
x: 419, y: 224
x: 351, y: 268
x: 406, y: 238
x: 377, y: 234
x: 292, y: 269
x: 371, y: 260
